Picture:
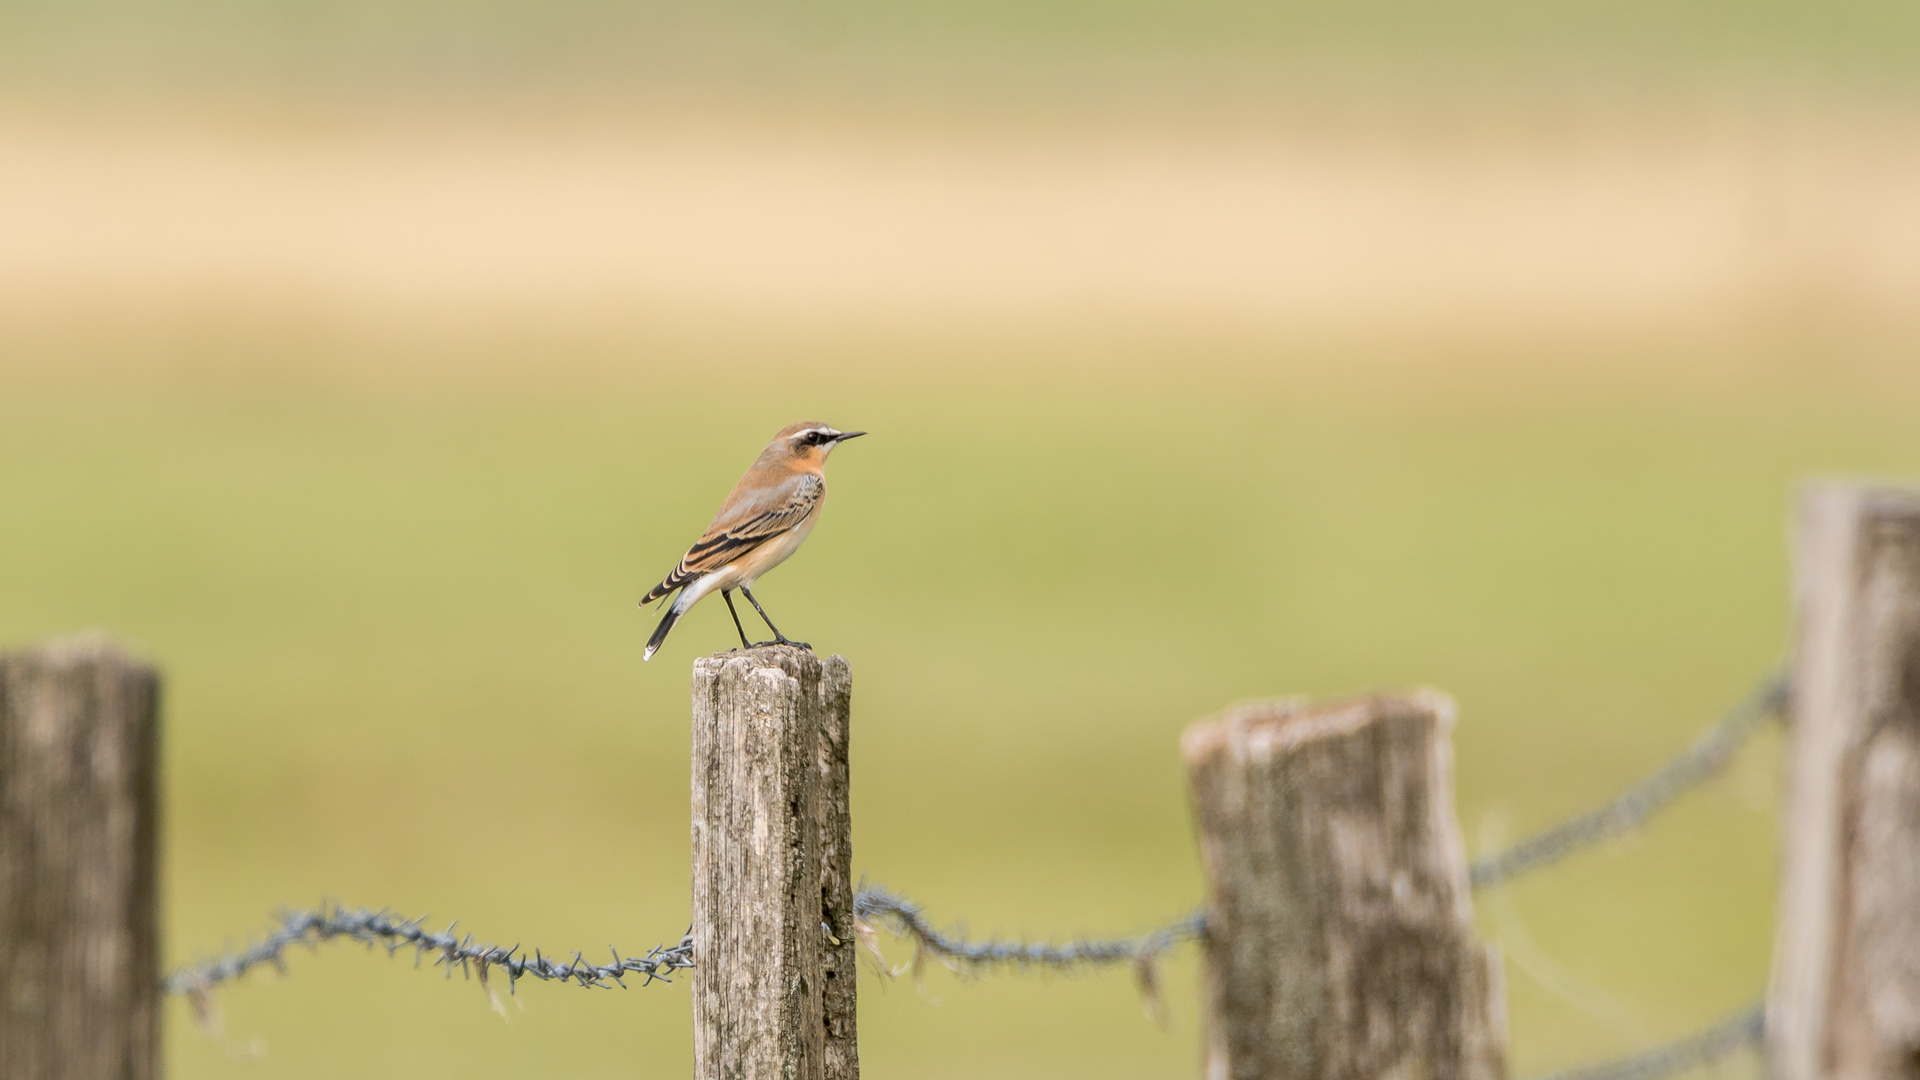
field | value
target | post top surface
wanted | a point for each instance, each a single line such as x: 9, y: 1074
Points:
x: 1282, y: 724
x: 75, y: 650
x: 1873, y: 496
x: 788, y: 658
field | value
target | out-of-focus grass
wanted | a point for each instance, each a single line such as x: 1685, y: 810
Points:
x: 393, y: 595
x: 499, y: 43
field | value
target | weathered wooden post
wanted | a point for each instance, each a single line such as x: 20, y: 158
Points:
x: 1845, y: 1000
x: 79, y: 956
x: 773, y: 985
x: 1339, y: 940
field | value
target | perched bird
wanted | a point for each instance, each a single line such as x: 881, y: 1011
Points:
x: 764, y: 520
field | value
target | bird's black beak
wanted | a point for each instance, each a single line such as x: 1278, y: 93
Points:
x: 845, y: 435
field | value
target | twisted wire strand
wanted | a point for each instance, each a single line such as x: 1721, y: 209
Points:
x: 876, y: 905
x: 1631, y: 808
x: 383, y: 929
x: 449, y: 950
x: 1699, y: 762
x: 1703, y: 1047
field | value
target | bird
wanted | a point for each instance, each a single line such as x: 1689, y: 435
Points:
x: 764, y: 521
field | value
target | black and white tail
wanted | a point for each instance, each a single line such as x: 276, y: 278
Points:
x: 672, y: 615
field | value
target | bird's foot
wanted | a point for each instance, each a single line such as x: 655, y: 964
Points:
x: 780, y: 639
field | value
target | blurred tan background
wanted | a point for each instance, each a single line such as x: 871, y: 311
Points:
x: 1457, y: 219
x: 362, y: 364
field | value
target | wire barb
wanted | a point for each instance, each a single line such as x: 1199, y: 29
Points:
x: 871, y: 906
x: 875, y: 905
x: 380, y: 928
x: 1703, y: 1047
x: 1631, y: 808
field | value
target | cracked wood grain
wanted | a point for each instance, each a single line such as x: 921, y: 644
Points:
x: 1845, y: 1000
x: 79, y: 958
x: 1339, y: 941
x: 773, y: 985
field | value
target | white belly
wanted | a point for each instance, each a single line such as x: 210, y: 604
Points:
x: 746, y: 569
x: 750, y: 566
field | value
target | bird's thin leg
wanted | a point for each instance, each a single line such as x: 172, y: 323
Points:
x: 778, y: 637
x: 727, y: 595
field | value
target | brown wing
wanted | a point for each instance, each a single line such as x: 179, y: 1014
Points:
x: 752, y: 519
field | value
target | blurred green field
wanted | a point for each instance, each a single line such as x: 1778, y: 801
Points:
x: 392, y: 587
x: 994, y: 49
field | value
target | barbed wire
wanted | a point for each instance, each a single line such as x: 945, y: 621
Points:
x: 1627, y: 811
x: 876, y: 905
x: 1743, y: 1029
x: 382, y: 929
x: 873, y: 905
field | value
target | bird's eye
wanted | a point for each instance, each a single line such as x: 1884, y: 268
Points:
x: 815, y: 438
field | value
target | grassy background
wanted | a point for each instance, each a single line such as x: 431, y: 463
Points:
x: 962, y: 47
x: 392, y: 587
x: 389, y: 569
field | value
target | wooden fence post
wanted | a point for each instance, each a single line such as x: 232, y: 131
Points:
x: 79, y: 957
x: 1339, y: 940
x: 1845, y: 1000
x: 773, y: 982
